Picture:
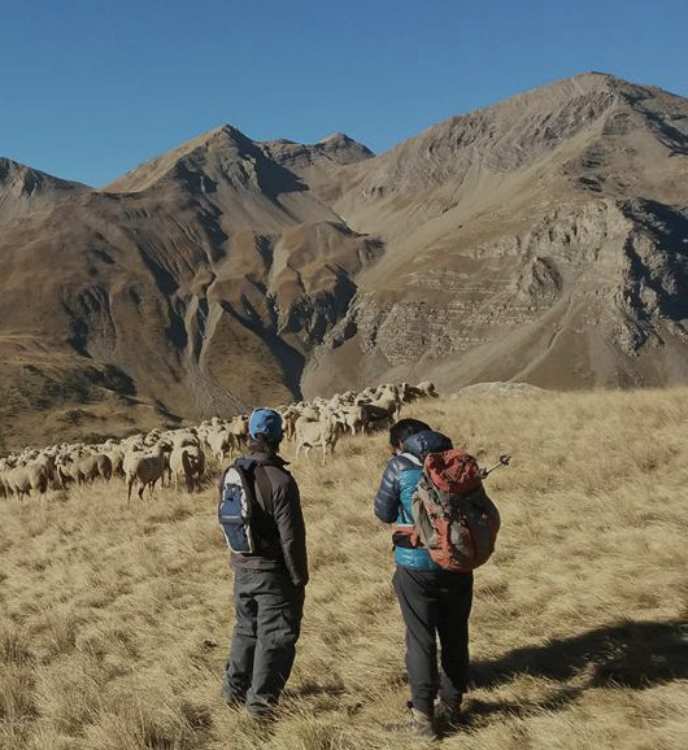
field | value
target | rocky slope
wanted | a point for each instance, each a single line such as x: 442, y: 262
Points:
x: 25, y: 191
x: 194, y: 285
x: 543, y: 239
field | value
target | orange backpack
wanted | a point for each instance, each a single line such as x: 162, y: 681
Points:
x: 454, y: 518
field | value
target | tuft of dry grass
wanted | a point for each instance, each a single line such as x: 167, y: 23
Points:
x: 115, y: 620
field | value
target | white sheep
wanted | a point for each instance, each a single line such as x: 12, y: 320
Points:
x: 146, y: 468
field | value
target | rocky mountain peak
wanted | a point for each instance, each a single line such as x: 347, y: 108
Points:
x: 25, y: 190
x: 343, y: 148
x: 28, y: 180
x: 225, y: 141
x: 541, y: 239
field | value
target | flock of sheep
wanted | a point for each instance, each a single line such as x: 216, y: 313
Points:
x: 180, y: 456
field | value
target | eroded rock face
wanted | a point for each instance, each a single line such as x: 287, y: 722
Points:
x: 543, y: 239
x: 620, y: 269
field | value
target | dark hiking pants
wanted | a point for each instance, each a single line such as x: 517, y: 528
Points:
x: 268, y: 619
x: 435, y: 604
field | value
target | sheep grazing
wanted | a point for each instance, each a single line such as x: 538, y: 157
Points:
x: 238, y: 428
x: 187, y: 464
x: 323, y: 433
x: 47, y: 461
x: 427, y: 389
x: 144, y: 468
x: 22, y: 480
x: 180, y: 454
x: 355, y: 418
x: 116, y: 457
x: 221, y: 443
x: 104, y: 465
x: 182, y: 438
x: 85, y: 469
x: 289, y: 417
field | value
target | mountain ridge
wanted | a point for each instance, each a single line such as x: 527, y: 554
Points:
x: 24, y: 189
x: 542, y: 238
x: 522, y: 95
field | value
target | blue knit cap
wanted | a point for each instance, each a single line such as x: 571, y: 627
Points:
x: 266, y: 422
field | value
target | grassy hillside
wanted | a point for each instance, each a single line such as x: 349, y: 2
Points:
x: 115, y: 620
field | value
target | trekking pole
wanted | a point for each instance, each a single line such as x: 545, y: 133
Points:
x: 504, y: 460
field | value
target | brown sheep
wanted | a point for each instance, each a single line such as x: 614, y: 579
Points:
x: 188, y: 463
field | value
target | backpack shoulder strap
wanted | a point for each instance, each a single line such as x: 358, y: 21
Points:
x: 221, y: 483
x: 263, y: 489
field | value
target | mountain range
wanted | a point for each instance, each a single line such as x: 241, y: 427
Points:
x: 543, y: 239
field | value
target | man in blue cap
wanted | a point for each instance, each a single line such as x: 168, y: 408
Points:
x: 269, y: 584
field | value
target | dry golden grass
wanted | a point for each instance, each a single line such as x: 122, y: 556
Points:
x: 115, y: 621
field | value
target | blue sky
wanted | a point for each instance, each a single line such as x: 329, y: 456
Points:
x: 92, y: 88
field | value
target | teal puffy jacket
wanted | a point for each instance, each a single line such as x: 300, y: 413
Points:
x: 394, y: 500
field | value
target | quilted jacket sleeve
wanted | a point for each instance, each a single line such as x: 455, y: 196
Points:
x: 388, y: 497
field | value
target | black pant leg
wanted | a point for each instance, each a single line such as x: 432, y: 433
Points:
x: 419, y: 608
x: 280, y: 610
x: 239, y: 666
x: 455, y: 609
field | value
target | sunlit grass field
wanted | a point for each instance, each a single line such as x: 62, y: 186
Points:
x: 115, y: 620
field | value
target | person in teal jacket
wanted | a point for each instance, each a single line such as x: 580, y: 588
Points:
x: 434, y: 602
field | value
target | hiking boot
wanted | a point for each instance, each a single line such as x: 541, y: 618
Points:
x: 263, y: 720
x: 449, y: 715
x: 262, y: 711
x: 422, y: 725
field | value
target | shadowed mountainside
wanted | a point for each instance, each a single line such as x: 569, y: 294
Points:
x: 543, y: 239
x: 204, y: 278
